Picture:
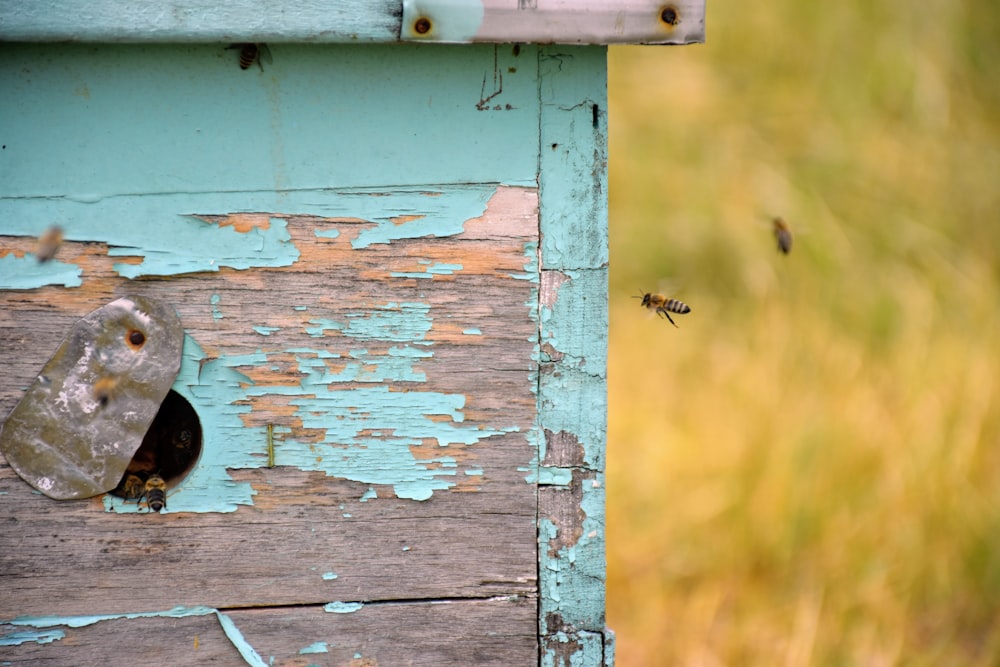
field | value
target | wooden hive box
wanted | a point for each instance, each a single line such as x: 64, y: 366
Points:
x: 389, y: 260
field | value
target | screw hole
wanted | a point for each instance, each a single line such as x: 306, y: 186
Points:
x: 135, y: 338
x: 422, y: 26
x: 669, y: 16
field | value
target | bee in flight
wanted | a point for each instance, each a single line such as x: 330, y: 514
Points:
x: 251, y: 53
x: 104, y: 390
x: 783, y: 235
x: 156, y: 493
x: 48, y: 243
x: 662, y: 305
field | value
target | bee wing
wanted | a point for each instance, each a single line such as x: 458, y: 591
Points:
x: 59, y: 438
x: 264, y: 53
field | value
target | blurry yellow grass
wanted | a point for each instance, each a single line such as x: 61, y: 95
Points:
x: 807, y: 471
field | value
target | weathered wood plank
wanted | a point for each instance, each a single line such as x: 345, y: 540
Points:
x: 499, y: 631
x: 398, y: 379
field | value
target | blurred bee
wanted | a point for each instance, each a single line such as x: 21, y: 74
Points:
x: 783, y: 235
x: 156, y: 493
x: 104, y: 390
x: 252, y: 53
x: 662, y: 305
x: 48, y: 243
x: 131, y: 487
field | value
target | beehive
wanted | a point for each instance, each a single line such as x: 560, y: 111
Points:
x: 389, y: 259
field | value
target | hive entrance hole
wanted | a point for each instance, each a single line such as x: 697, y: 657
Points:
x: 169, y: 449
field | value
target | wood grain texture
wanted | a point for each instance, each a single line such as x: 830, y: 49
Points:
x: 491, y: 632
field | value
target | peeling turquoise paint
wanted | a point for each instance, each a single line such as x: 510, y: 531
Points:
x: 318, y: 647
x: 572, y: 584
x: 195, y: 245
x: 474, y: 472
x: 172, y: 240
x: 228, y: 627
x: 397, y: 322
x: 216, y: 311
x: 329, y: 576
x: 266, y: 331
x: 28, y: 273
x: 572, y: 348
x: 472, y: 332
x: 554, y: 476
x: 343, y: 607
x: 589, y: 653
x: 439, y: 269
x: 367, y: 432
x: 40, y: 637
x: 326, y: 233
x: 530, y: 266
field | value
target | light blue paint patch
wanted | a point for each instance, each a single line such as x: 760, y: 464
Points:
x: 329, y: 576
x: 472, y: 332
x: 216, y: 312
x: 266, y: 331
x: 575, y: 402
x: 576, y: 324
x: 553, y: 476
x: 369, y: 495
x: 318, y: 647
x: 83, y: 621
x: 17, y: 273
x: 190, y: 245
x: 300, y: 308
x: 448, y: 219
x: 329, y: 233
x: 474, y: 472
x: 39, y: 637
x: 250, y: 656
x: 397, y: 322
x: 376, y: 368
x: 343, y: 607
x: 530, y: 265
x: 406, y: 548
x: 432, y: 270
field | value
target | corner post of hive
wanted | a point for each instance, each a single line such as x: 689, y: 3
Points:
x: 573, y: 322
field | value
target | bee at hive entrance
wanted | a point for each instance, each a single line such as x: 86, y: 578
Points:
x: 167, y: 454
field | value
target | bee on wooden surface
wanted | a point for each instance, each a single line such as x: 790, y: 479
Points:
x: 663, y: 305
x: 104, y: 390
x: 48, y: 243
x: 131, y: 487
x: 783, y: 235
x: 252, y: 53
x: 156, y: 493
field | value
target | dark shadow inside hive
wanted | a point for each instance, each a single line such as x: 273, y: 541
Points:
x: 169, y: 449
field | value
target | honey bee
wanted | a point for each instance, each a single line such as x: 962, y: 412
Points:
x: 104, y: 389
x: 783, y: 235
x: 662, y: 305
x: 48, y: 243
x: 131, y: 487
x: 252, y: 53
x: 156, y: 493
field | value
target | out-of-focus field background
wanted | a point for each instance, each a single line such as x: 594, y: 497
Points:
x: 807, y: 471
